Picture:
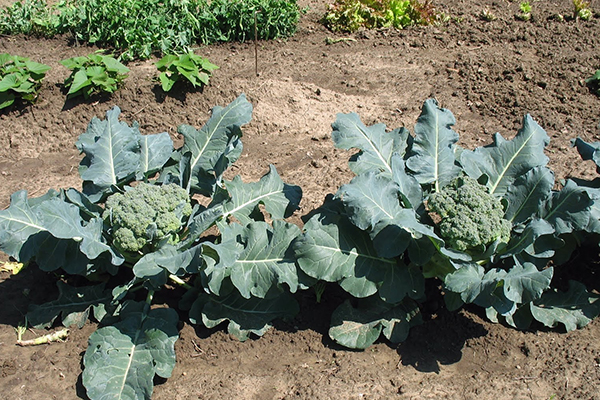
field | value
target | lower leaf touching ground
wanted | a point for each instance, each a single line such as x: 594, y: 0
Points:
x: 359, y: 327
x: 121, y: 360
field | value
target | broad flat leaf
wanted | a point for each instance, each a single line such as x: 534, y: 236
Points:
x: 528, y: 193
x: 506, y: 160
x: 73, y: 304
x: 112, y: 153
x: 155, y: 151
x: 121, y: 360
x: 588, y: 151
x: 332, y: 249
x: 279, y: 199
x: 170, y: 258
x: 215, y: 145
x: 375, y: 144
x: 408, y: 186
x: 25, y: 222
x: 80, y: 81
x: 400, y: 281
x: 469, y: 281
x: 525, y: 283
x: 568, y: 210
x: 432, y: 157
x: 525, y: 240
x: 245, y: 316
x: 574, y: 309
x: 373, y: 203
x: 267, y: 260
x: 358, y: 328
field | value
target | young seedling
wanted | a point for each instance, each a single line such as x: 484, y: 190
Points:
x: 93, y: 74
x: 581, y: 10
x: 525, y: 8
x: 191, y: 67
x: 19, y: 78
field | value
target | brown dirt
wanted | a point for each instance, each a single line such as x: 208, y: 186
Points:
x: 488, y: 73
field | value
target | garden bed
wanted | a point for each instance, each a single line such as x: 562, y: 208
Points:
x: 489, y: 73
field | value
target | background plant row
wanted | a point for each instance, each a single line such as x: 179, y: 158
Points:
x: 139, y: 29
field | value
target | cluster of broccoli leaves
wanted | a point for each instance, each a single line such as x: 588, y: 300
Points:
x: 489, y: 224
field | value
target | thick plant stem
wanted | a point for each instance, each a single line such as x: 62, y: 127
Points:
x: 179, y: 281
x: 57, y: 336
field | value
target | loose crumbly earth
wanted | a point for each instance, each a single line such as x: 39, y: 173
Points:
x: 489, y: 74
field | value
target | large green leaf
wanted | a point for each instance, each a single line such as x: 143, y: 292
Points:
x: 568, y: 210
x: 373, y: 203
x: 528, y: 193
x: 73, y: 304
x: 377, y: 147
x: 155, y: 151
x: 266, y: 260
x: 498, y: 288
x: 24, y: 223
x: 588, y: 151
x: 245, y: 316
x: 279, y: 199
x: 121, y: 360
x: 432, y: 158
x: 360, y: 327
x: 112, y: 153
x: 574, y: 309
x: 334, y: 250
x: 215, y: 146
x: 506, y: 160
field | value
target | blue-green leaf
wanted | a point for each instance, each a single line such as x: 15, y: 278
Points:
x: 528, y: 193
x: 332, y: 249
x: 155, y: 151
x: 432, y: 158
x: 375, y: 144
x: 568, y: 210
x: 279, y: 199
x: 215, y: 146
x: 245, y: 316
x: 73, y: 305
x: 112, y: 154
x: 506, y: 160
x: 574, y: 309
x: 360, y: 327
x: 121, y: 360
x: 266, y: 260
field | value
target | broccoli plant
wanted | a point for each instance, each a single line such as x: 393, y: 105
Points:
x: 137, y: 225
x: 487, y: 223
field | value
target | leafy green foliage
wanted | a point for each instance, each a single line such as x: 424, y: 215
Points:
x: 137, y: 224
x: 525, y: 8
x: 20, y: 78
x: 31, y: 17
x: 486, y: 222
x: 95, y: 73
x: 142, y: 28
x: 350, y: 15
x: 581, y: 10
x: 190, y: 67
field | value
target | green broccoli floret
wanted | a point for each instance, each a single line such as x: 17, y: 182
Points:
x: 468, y: 216
x: 146, y: 214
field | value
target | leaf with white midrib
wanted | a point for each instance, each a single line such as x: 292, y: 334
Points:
x: 121, y: 360
x: 506, y: 160
x: 432, y: 159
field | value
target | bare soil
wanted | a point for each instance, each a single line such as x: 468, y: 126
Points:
x: 489, y: 74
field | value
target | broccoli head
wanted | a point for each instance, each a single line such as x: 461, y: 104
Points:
x: 146, y: 214
x: 468, y: 216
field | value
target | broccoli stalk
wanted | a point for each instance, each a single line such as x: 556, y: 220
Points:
x: 147, y: 215
x: 468, y: 217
